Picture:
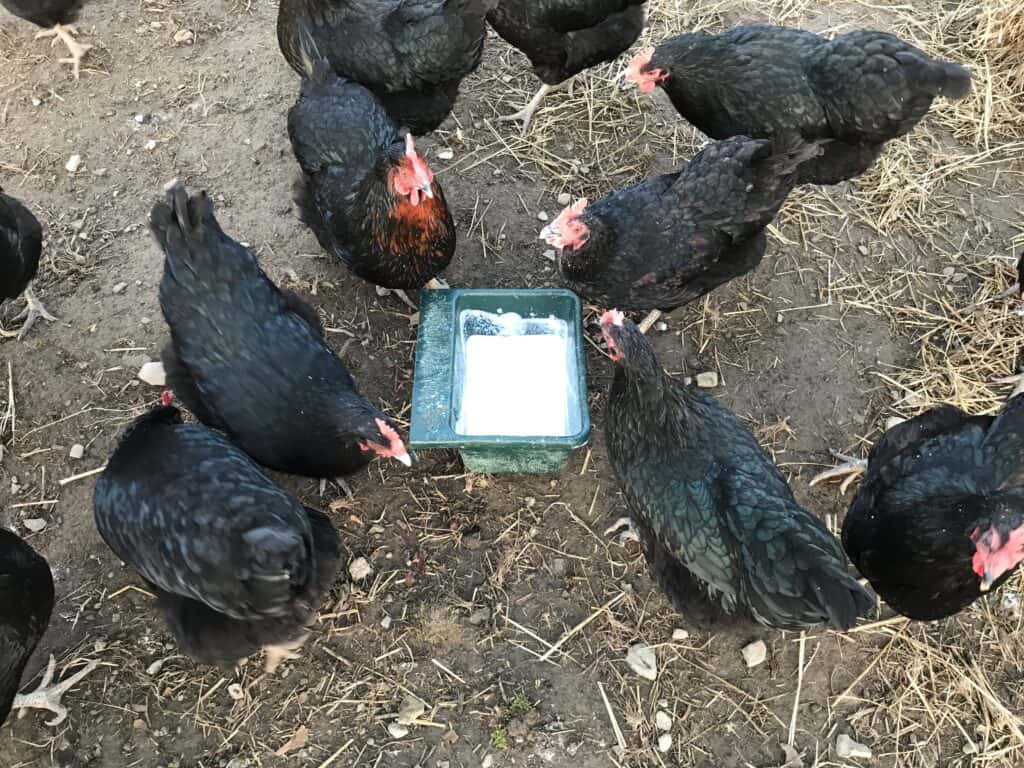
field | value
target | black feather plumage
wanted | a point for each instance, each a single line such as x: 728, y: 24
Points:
x: 21, y: 243
x: 44, y: 13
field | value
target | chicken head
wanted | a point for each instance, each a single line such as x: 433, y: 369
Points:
x: 412, y: 177
x: 613, y: 318
x: 645, y: 78
x: 568, y: 230
x: 386, y: 443
x: 995, y: 554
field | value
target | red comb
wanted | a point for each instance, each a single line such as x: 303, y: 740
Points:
x: 166, y: 397
x: 612, y: 317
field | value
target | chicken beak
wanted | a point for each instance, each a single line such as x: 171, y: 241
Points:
x: 405, y: 458
x: 986, y: 581
x: 548, y: 232
x: 427, y: 190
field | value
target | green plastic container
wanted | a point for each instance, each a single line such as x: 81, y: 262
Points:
x: 435, y: 399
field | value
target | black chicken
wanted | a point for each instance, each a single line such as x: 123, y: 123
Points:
x: 412, y: 54
x: 236, y: 563
x: 939, y: 516
x: 26, y: 602
x: 368, y: 195
x: 709, y: 501
x: 251, y: 359
x: 670, y: 240
x: 861, y: 89
x: 21, y: 243
x: 561, y: 38
x: 55, y: 16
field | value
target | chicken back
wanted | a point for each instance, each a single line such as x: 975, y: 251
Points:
x: 251, y: 359
x: 565, y: 37
x: 412, y: 54
x: 236, y: 563
x: 44, y: 13
x: 368, y: 195
x: 861, y: 89
x: 939, y: 516
x: 21, y: 243
x: 708, y: 500
x: 670, y: 240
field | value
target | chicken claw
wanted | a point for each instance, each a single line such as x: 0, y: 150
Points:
x: 48, y: 696
x: 65, y: 34
x: 283, y: 652
x: 525, y: 115
x: 851, y: 470
x: 629, y: 534
x: 397, y: 292
x: 33, y: 310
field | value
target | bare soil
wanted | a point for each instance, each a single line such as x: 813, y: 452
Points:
x: 475, y: 577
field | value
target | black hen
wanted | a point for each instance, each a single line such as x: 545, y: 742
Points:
x: 710, y: 503
x: 54, y: 16
x: 412, y: 54
x: 236, y: 563
x: 669, y: 240
x: 26, y: 602
x: 939, y: 516
x: 861, y: 89
x: 367, y: 194
x: 21, y: 243
x: 250, y: 359
x: 562, y: 38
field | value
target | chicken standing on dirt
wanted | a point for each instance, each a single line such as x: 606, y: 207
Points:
x: 938, y: 519
x: 861, y: 89
x: 21, y: 244
x: 562, y: 38
x: 26, y: 602
x: 710, y: 503
x: 668, y: 241
x: 250, y: 359
x: 368, y: 195
x: 236, y: 563
x: 55, y: 16
x: 412, y: 54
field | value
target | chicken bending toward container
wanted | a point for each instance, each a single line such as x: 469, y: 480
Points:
x: 55, y: 17
x: 860, y: 89
x: 21, y: 244
x: 710, y: 503
x: 236, y: 563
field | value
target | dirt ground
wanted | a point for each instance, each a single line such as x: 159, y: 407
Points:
x: 846, y: 323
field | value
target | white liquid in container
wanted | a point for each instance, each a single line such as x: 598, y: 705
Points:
x: 516, y: 376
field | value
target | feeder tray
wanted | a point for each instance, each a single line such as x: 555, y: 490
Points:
x: 436, y: 395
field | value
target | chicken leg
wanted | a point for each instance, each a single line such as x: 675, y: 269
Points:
x: 48, y: 696
x: 33, y: 310
x: 275, y: 654
x: 851, y: 470
x: 435, y: 283
x: 65, y: 34
x: 525, y: 115
x: 628, y: 528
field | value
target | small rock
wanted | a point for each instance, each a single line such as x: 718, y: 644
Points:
x: 564, y: 199
x: 661, y: 326
x: 641, y: 659
x: 445, y: 154
x: 970, y: 748
x: 119, y: 287
x: 550, y: 255
x: 77, y: 451
x: 397, y: 731
x: 778, y: 318
x: 755, y: 653
x: 479, y: 616
x: 948, y: 272
x: 411, y: 710
x: 679, y: 635
x: 236, y: 692
x: 34, y: 524
x: 385, y: 623
x: 662, y: 720
x: 543, y: 215
x: 665, y: 742
x: 487, y: 762
x: 184, y: 36
x: 73, y: 164
x: 155, y: 667
x: 151, y: 144
x: 847, y: 747
x: 707, y: 380
x: 863, y: 250
x: 359, y: 569
x: 138, y: 724
x: 36, y: 101
x: 140, y: 118
x: 153, y: 373
x: 893, y: 421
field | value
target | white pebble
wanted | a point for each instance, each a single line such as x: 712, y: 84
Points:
x: 707, y: 380
x: 385, y: 623
x: 641, y: 659
x: 153, y: 374
x: 543, y: 215
x: 359, y: 569
x: 77, y: 451
x: 34, y: 524
x: 661, y: 326
x: 445, y: 154
x: 665, y: 742
x: 73, y: 164
x: 184, y: 36
x: 550, y: 255
x: 151, y: 144
x: 120, y: 287
x: 36, y: 101
x: 662, y: 720
x: 893, y: 421
x: 155, y: 667
x: 679, y: 635
x: 564, y: 199
x: 847, y: 747
x: 755, y: 653
x: 398, y: 731
x: 236, y: 692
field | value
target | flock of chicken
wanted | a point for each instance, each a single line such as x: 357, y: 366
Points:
x: 937, y: 520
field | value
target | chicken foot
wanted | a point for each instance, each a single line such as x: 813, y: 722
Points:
x: 33, y: 310
x: 65, y: 34
x: 628, y: 528
x: 48, y: 696
x: 340, y: 482
x: 525, y: 115
x: 282, y: 652
x: 851, y: 470
x: 434, y: 284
